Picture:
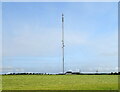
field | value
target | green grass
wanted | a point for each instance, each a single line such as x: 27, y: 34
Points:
x: 60, y: 82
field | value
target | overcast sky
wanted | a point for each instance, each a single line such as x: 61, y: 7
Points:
x: 32, y: 36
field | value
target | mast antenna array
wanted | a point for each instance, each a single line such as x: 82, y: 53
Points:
x: 63, y: 40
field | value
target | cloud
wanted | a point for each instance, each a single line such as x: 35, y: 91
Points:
x: 6, y: 69
x: 105, y: 44
x: 32, y: 43
x: 75, y: 38
x: 48, y: 43
x: 103, y: 69
x: 110, y: 53
x: 45, y: 43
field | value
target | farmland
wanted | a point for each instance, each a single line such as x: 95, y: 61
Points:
x: 60, y: 82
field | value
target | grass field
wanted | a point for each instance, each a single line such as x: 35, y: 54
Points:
x: 60, y: 82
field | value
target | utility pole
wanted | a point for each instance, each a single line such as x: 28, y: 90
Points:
x: 63, y: 41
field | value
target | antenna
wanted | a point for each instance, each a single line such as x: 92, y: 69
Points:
x: 63, y: 41
x: 97, y: 71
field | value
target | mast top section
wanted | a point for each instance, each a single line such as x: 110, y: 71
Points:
x: 62, y: 15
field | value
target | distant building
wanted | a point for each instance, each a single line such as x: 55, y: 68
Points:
x: 68, y: 72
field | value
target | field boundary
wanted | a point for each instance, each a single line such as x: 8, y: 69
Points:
x: 60, y: 90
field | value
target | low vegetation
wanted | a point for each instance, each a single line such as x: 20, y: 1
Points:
x: 60, y: 82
